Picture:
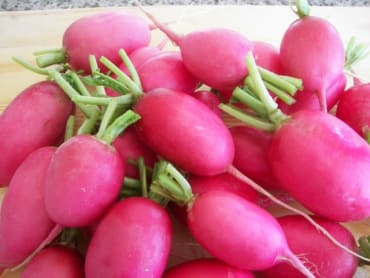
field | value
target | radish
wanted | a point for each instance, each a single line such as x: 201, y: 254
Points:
x: 353, y: 109
x: 101, y: 34
x: 267, y: 56
x: 169, y: 126
x: 211, y: 219
x: 205, y: 268
x: 55, y: 261
x: 35, y: 118
x: 24, y: 222
x: 251, y: 147
x: 210, y: 99
x: 166, y: 70
x: 306, y: 100
x: 132, y: 240
x: 325, y: 259
x: 305, y: 136
x: 324, y: 55
x: 216, y: 56
x: 131, y: 148
x: 83, y: 180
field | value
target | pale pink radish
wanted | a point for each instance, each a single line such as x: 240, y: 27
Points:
x: 267, y: 56
x: 210, y: 99
x: 317, y: 252
x: 35, y: 118
x: 132, y: 240
x: 55, y: 261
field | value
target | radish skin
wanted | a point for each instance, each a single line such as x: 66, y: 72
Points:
x: 206, y: 268
x: 132, y: 240
x: 34, y: 119
x: 25, y: 195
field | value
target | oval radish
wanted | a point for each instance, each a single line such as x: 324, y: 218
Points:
x: 57, y: 262
x: 132, y: 240
x: 24, y: 222
x: 325, y: 259
x: 83, y: 180
x: 35, y: 118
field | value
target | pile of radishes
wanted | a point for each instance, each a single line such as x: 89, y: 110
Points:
x: 124, y: 137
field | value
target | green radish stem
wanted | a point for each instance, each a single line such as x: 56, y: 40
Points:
x: 35, y: 69
x: 69, y: 127
x: 250, y: 100
x: 131, y: 187
x: 130, y: 67
x: 103, y: 100
x: 99, y: 79
x: 45, y: 58
x: 107, y: 118
x: 121, y: 76
x: 246, y: 118
x: 302, y: 8
x: 143, y: 177
x: 119, y: 125
x: 237, y: 174
x: 78, y: 84
x: 100, y: 91
x: 354, y: 53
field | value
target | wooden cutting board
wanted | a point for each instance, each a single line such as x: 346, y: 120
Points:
x: 23, y: 32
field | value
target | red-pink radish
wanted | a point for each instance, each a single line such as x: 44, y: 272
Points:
x: 215, y: 56
x: 323, y: 58
x: 185, y: 131
x: 305, y: 100
x: 132, y: 240
x: 267, y: 56
x: 101, y: 34
x: 353, y: 108
x: 166, y: 70
x: 210, y: 99
x: 323, y: 163
x: 55, y: 261
x: 83, y: 181
x: 206, y: 268
x: 251, y: 147
x: 35, y: 118
x: 24, y: 222
x: 129, y: 147
x: 318, y: 253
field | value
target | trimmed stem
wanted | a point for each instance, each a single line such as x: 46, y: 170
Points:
x: 121, y: 76
x: 100, y: 79
x: 30, y: 66
x: 53, y: 58
x: 89, y: 124
x: 103, y: 100
x: 240, y: 176
x: 282, y: 95
x: 100, y: 91
x: 143, y: 177
x: 79, y: 84
x: 131, y: 68
x: 119, y: 125
x: 274, y: 79
x: 246, y: 118
x: 303, y: 8
x: 107, y: 118
x: 69, y: 127
x: 249, y: 100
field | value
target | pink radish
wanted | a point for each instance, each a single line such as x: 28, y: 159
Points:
x: 251, y: 147
x: 353, y: 108
x: 35, y: 118
x: 305, y: 137
x: 206, y: 268
x: 166, y: 70
x: 132, y: 240
x: 83, y: 181
x: 306, y: 100
x: 267, y: 56
x: 323, y: 58
x: 320, y: 255
x: 24, y: 222
x: 205, y: 53
x: 210, y: 99
x: 57, y: 262
x: 129, y: 147
x: 171, y: 128
x: 100, y: 34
